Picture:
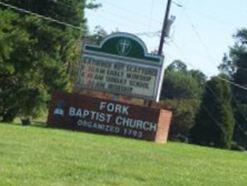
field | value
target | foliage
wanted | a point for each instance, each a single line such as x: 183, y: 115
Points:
x: 237, y: 63
x: 215, y: 121
x: 181, y: 92
x: 240, y: 131
x: 91, y: 4
x: 16, y: 63
x: 238, y: 55
x: 226, y: 67
x: 199, y: 77
x: 98, y: 35
x: 63, y: 10
x: 177, y: 66
x: 235, y: 66
x: 35, y: 54
x: 183, y: 118
x: 180, y: 83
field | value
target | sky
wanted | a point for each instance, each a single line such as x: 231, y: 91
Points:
x: 201, y: 34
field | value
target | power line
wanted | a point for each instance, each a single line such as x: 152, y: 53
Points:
x: 203, y: 106
x: 42, y: 16
x: 131, y: 11
x: 151, y: 15
x: 198, y: 35
x: 204, y: 45
x: 149, y: 34
x: 82, y: 29
x: 216, y: 121
x: 205, y: 15
x: 177, y: 4
x: 116, y: 18
x: 223, y: 79
x: 209, y: 55
x: 232, y: 83
x: 216, y: 97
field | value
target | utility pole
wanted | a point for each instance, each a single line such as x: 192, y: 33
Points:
x: 162, y: 38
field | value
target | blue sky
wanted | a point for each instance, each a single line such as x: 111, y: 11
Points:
x: 200, y: 35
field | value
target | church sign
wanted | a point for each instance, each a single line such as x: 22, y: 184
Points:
x: 84, y: 113
x: 121, y: 65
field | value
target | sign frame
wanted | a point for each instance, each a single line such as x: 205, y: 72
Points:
x: 142, y: 59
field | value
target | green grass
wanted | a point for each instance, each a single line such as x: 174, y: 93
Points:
x: 41, y: 156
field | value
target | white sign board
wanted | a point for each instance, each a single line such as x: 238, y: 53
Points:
x: 123, y: 75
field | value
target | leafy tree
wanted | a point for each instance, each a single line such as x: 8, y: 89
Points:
x: 183, y: 118
x: 63, y: 10
x: 14, y: 41
x: 176, y: 66
x: 98, y: 35
x: 35, y: 54
x: 239, y: 57
x: 215, y: 121
x: 227, y: 67
x: 199, y: 77
x: 235, y: 66
x: 181, y: 92
x: 180, y: 83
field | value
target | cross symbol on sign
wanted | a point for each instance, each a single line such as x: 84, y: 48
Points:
x: 124, y: 47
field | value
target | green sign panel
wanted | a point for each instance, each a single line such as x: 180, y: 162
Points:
x: 121, y: 65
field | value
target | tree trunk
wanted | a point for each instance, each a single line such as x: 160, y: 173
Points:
x: 26, y: 121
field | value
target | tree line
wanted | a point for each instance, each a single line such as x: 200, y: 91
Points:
x: 211, y: 112
x: 36, y: 57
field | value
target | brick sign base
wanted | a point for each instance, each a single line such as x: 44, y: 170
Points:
x: 84, y: 113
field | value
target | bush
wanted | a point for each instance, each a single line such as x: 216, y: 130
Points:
x: 183, y: 118
x: 215, y: 121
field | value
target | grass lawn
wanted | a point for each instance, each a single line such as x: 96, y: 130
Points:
x: 40, y: 156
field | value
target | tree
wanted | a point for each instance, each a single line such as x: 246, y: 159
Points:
x: 35, y: 54
x: 14, y: 41
x: 226, y: 67
x: 199, y: 77
x: 181, y: 93
x: 235, y: 66
x: 183, y: 117
x: 98, y: 35
x: 180, y: 83
x: 215, y: 120
x: 177, y: 66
